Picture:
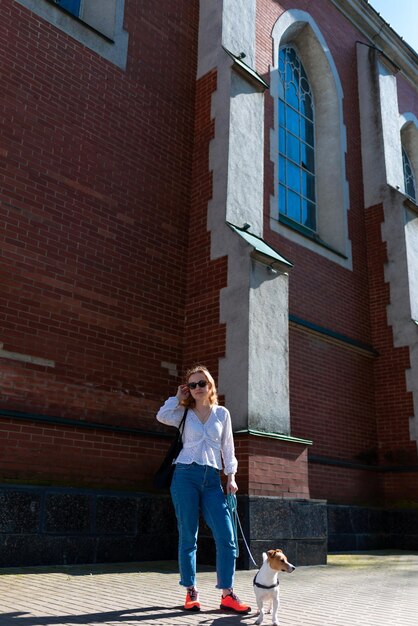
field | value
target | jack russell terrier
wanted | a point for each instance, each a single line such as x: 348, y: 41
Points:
x: 266, y: 582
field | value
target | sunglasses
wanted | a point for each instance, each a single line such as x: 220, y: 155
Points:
x: 200, y: 383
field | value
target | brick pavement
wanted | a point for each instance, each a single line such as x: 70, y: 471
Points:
x: 352, y: 590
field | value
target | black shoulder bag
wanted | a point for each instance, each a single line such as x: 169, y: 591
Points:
x: 164, y: 474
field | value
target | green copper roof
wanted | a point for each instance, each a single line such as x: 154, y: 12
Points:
x: 259, y: 433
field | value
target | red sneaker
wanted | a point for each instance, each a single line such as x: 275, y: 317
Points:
x: 231, y: 602
x: 192, y: 600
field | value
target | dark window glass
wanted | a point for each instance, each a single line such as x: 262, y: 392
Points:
x: 282, y: 171
x: 282, y: 195
x: 308, y: 161
x: 308, y: 186
x: 73, y: 6
x: 282, y: 140
x: 293, y: 204
x: 293, y: 176
x: 282, y: 118
x: 308, y: 214
x: 293, y: 148
x: 292, y: 121
x: 307, y: 131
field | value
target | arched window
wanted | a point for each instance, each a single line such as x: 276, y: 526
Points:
x: 408, y: 176
x: 297, y: 195
x: 308, y: 143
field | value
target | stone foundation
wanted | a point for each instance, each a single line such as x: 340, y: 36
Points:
x: 53, y: 526
x: 353, y: 528
x: 62, y: 526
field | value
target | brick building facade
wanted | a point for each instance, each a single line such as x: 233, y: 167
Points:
x: 160, y: 207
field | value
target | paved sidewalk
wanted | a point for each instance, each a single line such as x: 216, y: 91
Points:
x: 370, y: 589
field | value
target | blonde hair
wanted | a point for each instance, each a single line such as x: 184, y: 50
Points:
x: 213, y: 394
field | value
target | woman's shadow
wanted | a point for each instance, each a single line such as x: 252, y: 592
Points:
x: 214, y: 617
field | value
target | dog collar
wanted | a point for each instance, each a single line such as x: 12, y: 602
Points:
x: 264, y: 586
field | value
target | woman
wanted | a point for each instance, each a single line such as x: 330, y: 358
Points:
x: 196, y: 485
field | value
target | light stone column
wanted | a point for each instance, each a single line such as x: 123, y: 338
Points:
x: 253, y: 375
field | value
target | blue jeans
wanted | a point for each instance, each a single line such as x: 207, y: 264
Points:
x: 197, y: 488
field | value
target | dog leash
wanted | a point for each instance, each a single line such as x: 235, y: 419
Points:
x: 231, y: 501
x: 232, y: 506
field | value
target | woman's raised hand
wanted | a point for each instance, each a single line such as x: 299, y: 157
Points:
x: 182, y: 392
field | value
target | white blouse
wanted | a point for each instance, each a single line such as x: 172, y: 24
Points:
x: 205, y: 444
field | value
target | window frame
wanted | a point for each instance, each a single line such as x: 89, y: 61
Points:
x: 114, y: 49
x: 78, y: 18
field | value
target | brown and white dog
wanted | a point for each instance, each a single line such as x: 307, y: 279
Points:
x: 266, y: 583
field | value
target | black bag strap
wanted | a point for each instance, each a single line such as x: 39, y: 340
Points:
x: 183, y: 420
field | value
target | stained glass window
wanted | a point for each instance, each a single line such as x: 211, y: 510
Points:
x: 408, y: 176
x: 297, y: 196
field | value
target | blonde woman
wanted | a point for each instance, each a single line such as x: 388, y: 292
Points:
x: 208, y: 445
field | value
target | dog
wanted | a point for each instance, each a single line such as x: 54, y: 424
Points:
x: 266, y: 583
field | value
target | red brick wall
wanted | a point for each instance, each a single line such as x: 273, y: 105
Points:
x: 95, y: 177
x: 407, y: 97
x: 394, y: 404
x: 95, y: 184
x: 204, y: 336
x: 271, y: 467
x: 52, y: 454
x: 400, y: 488
x: 344, y: 485
x: 332, y: 402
